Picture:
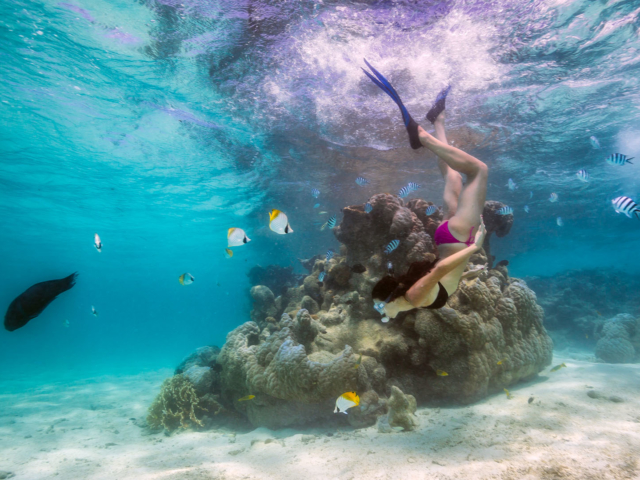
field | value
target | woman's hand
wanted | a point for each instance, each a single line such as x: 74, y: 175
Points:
x: 480, y: 234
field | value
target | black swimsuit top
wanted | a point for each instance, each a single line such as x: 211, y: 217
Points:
x: 441, y: 298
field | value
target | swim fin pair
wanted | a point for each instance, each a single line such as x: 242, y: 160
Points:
x: 410, y: 124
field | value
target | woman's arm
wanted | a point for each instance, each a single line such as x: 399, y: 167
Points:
x: 417, y: 294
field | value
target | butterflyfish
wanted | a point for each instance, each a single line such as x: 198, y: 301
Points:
x: 346, y: 401
x: 93, y: 311
x: 442, y: 373
x: 97, y: 242
x: 557, y: 367
x: 228, y: 252
x: 509, y: 396
x: 66, y: 323
x: 500, y: 362
x: 279, y: 223
x: 186, y: 279
x: 236, y: 237
x: 248, y: 397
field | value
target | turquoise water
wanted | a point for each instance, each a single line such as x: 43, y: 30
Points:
x: 160, y: 125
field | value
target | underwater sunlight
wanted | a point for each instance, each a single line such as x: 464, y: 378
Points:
x: 275, y: 239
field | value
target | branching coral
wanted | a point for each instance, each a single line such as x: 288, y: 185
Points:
x: 178, y: 405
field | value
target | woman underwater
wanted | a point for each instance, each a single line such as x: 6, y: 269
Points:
x: 429, y: 284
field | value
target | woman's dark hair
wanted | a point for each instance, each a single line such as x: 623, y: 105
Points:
x: 389, y: 288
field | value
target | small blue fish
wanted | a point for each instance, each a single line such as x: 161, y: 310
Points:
x: 330, y: 254
x: 316, y: 205
x: 315, y: 192
x: 404, y: 191
x: 431, y: 209
x: 594, y: 142
x: 390, y: 267
x: 330, y: 223
x: 414, y: 186
x: 511, y: 184
x: 553, y: 198
x: 321, y: 276
x: 560, y: 222
x: 583, y: 176
x: 393, y: 244
x: 362, y: 181
x: 526, y: 208
x: 619, y: 159
x: 505, y: 211
x: 367, y: 207
x: 530, y: 195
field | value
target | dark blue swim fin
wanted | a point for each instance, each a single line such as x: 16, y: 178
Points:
x: 438, y: 107
x: 409, y: 123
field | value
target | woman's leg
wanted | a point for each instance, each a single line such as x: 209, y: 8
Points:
x: 452, y: 179
x: 471, y: 200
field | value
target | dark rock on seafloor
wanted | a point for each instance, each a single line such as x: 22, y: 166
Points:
x: 202, y: 357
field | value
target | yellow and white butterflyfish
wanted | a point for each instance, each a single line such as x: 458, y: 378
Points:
x: 97, y: 242
x: 346, y: 401
x: 186, y: 279
x: 228, y: 252
x: 236, y: 237
x: 279, y: 223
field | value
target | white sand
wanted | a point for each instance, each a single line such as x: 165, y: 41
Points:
x: 52, y: 431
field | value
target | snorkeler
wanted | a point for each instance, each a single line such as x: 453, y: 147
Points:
x: 429, y: 284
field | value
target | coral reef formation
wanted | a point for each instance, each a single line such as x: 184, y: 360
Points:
x: 617, y: 338
x: 305, y: 347
x: 274, y: 277
x: 580, y: 301
x: 178, y: 405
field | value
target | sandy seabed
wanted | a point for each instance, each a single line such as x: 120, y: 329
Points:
x: 86, y: 430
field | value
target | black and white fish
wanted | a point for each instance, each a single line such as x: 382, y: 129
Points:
x: 329, y: 223
x: 32, y: 302
x: 619, y: 159
x: 431, y: 209
x: 627, y: 206
x: 367, y: 207
x: 315, y: 193
x: 406, y: 190
x: 362, y: 181
x: 393, y: 244
x: 414, y: 186
x: 506, y: 210
x: 330, y: 254
x: 583, y: 176
x: 321, y: 276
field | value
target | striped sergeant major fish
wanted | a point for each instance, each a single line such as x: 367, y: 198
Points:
x: 330, y: 254
x: 626, y: 205
x: 619, y: 159
x: 362, y: 181
x: 583, y: 176
x: 329, y: 223
x: 393, y: 244
x: 506, y: 210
